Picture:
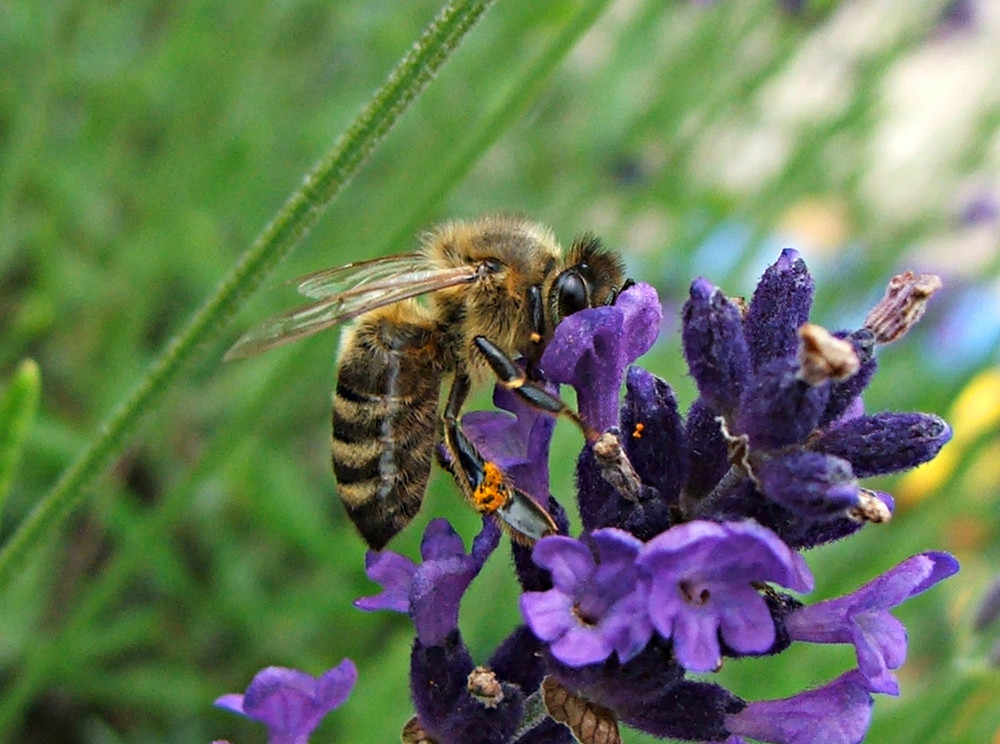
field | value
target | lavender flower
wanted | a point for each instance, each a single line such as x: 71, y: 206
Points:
x: 691, y: 527
x: 862, y: 618
x: 430, y: 593
x: 591, y: 349
x: 837, y: 713
x: 292, y: 703
x: 596, y: 605
x: 701, y: 577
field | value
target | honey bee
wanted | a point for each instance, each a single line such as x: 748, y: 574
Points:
x: 490, y: 289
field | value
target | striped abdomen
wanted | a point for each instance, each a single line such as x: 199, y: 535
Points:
x: 385, y: 423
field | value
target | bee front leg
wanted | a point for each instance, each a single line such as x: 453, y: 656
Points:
x: 511, y: 377
x: 536, y: 310
x: 482, y: 481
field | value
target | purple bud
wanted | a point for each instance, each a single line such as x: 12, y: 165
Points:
x: 715, y: 347
x: 688, y: 710
x: 810, y: 484
x: 653, y: 433
x: 707, y: 452
x: 438, y: 676
x: 780, y: 304
x: 845, y: 393
x: 778, y: 408
x: 886, y: 442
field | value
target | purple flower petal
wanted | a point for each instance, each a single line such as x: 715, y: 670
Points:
x: 292, y: 703
x: 596, y: 605
x: 837, y: 713
x: 519, y: 444
x: 395, y: 573
x: 700, y: 578
x: 590, y: 350
x: 581, y: 645
x: 862, y: 618
x: 550, y: 614
x: 568, y: 559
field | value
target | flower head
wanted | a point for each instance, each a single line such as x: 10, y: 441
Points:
x: 691, y: 525
x: 701, y: 577
x: 595, y: 606
x: 292, y: 703
x: 775, y: 392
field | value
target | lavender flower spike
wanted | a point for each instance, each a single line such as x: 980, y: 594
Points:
x: 429, y: 593
x: 862, y: 617
x: 701, y: 578
x: 596, y: 605
x: 837, y: 713
x: 292, y: 703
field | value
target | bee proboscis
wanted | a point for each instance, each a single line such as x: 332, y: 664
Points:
x: 491, y: 288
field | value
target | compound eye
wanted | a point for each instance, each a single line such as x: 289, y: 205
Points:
x: 572, y: 293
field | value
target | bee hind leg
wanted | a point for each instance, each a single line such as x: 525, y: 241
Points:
x: 482, y: 481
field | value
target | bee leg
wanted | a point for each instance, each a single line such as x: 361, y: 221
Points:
x: 613, y: 296
x: 512, y: 378
x: 536, y: 308
x: 482, y: 481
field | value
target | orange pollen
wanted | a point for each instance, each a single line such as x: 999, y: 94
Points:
x: 492, y: 493
x: 637, y: 432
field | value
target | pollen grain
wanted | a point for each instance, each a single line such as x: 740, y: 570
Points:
x: 491, y: 494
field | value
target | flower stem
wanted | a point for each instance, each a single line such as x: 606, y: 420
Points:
x: 18, y: 404
x: 302, y: 209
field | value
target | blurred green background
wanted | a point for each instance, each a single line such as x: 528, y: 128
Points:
x: 143, y: 145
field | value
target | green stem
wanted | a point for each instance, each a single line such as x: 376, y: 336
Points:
x: 323, y: 183
x: 17, y: 410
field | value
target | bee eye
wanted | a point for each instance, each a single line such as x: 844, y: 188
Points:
x: 571, y: 293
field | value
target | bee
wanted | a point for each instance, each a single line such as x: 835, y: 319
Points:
x: 474, y: 296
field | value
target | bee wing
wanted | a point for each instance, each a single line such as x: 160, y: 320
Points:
x: 344, y: 306
x: 339, y: 280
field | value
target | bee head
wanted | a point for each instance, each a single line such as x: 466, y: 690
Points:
x: 593, y: 278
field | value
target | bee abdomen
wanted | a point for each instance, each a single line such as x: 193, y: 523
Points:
x: 384, y: 430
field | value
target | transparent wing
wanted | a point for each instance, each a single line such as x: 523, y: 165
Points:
x: 331, y: 282
x: 374, y: 291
